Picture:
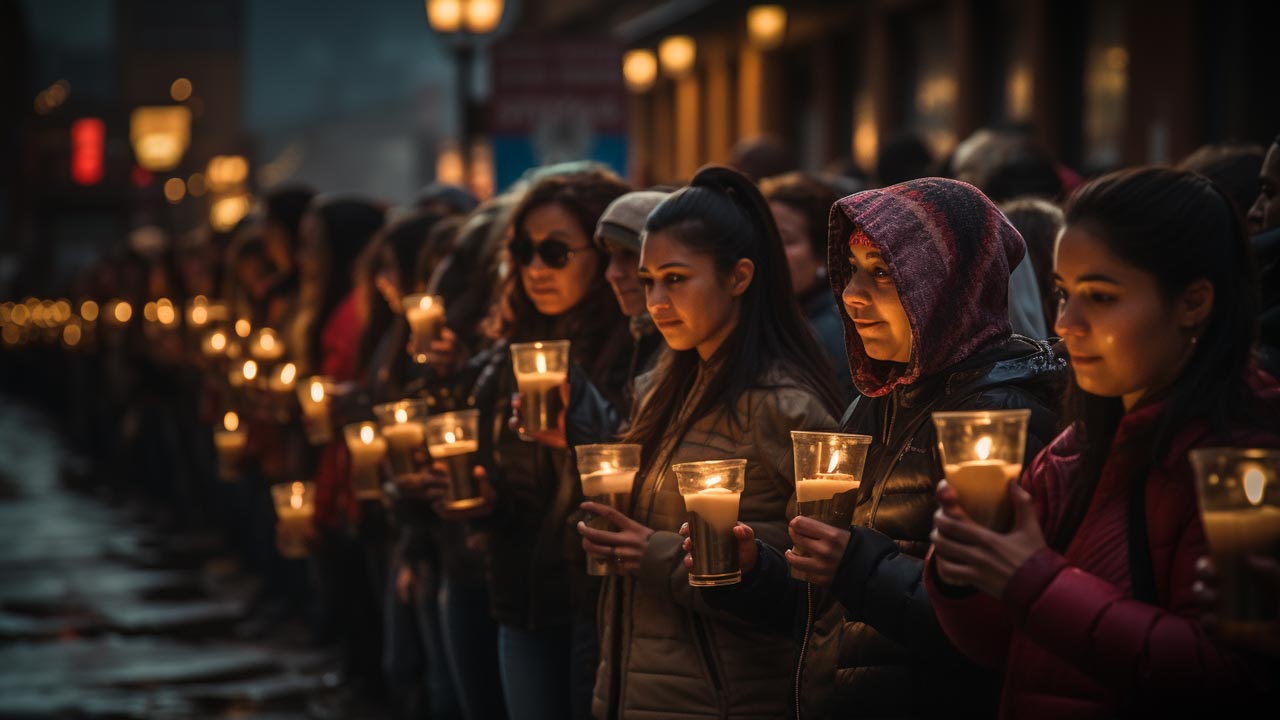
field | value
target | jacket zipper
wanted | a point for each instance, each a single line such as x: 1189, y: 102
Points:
x: 713, y: 668
x: 804, y: 642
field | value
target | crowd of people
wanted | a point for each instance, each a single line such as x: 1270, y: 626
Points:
x: 1135, y: 316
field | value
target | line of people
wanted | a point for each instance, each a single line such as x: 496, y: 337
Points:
x: 707, y: 322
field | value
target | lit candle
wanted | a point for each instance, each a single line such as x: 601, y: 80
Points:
x: 314, y: 401
x: 982, y: 485
x: 540, y: 369
x: 425, y: 314
x: 827, y: 491
x: 367, y: 448
x: 711, y: 491
x: 608, y: 473
x: 243, y: 327
x: 244, y: 374
x: 981, y: 456
x: 404, y: 426
x: 215, y: 344
x: 284, y: 380
x: 229, y: 442
x: 266, y: 345
x: 295, y: 509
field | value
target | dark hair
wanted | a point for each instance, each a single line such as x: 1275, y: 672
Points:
x: 469, y: 280
x: 286, y: 206
x: 440, y: 244
x: 595, y: 324
x: 722, y: 214
x: 345, y: 227
x: 1233, y: 168
x: 1038, y: 222
x: 902, y: 157
x: 811, y: 197
x: 403, y: 238
x: 1180, y: 228
x: 761, y: 157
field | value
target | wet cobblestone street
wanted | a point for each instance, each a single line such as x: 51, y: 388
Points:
x: 106, y: 613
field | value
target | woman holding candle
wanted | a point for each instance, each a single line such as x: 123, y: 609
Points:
x: 1087, y: 603
x: 922, y: 271
x: 539, y: 593
x: 744, y: 369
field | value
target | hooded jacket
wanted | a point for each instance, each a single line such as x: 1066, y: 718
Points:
x: 869, y: 646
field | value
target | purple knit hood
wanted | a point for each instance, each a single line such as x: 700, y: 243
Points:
x: 949, y: 251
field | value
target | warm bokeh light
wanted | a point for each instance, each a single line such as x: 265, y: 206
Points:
x: 88, y: 137
x: 482, y: 16
x: 445, y: 16
x: 228, y: 211
x: 639, y: 69
x: 226, y: 172
x: 243, y: 327
x: 180, y: 90
x: 89, y: 310
x: 160, y: 135
x: 767, y: 26
x: 677, y: 55
x: 196, y: 185
x: 174, y: 190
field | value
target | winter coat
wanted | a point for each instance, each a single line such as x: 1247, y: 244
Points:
x: 1069, y: 634
x: 335, y: 501
x: 868, y: 646
x: 666, y: 654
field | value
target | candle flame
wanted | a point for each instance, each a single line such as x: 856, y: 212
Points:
x: 199, y: 315
x: 426, y: 303
x: 606, y: 466
x: 402, y: 415
x: 123, y: 312
x: 317, y: 391
x: 713, y: 481
x: 218, y: 341
x: 243, y: 327
x: 541, y: 362
x: 288, y: 372
x: 983, y: 447
x: 267, y: 340
x: 1255, y: 482
x: 450, y: 437
x: 165, y: 312
x: 231, y: 421
x: 366, y: 434
x: 835, y: 461
x: 295, y: 501
x: 250, y: 369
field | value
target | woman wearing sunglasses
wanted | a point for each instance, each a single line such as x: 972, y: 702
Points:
x: 539, y: 592
x: 744, y: 370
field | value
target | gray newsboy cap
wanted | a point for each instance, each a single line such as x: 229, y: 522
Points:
x: 623, y: 220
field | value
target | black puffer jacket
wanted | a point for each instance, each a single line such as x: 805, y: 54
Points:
x: 869, y: 646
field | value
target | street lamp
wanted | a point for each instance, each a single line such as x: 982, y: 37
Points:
x: 677, y: 54
x: 767, y: 26
x: 464, y: 20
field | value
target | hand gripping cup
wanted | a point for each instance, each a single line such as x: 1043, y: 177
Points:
x: 608, y: 475
x: 366, y: 447
x: 404, y: 427
x: 295, y: 508
x: 425, y: 315
x: 828, y: 474
x: 711, y: 491
x: 1239, y: 492
x: 981, y: 455
x: 453, y: 439
x: 540, y: 368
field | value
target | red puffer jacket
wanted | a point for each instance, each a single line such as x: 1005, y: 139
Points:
x: 336, y: 506
x: 1069, y: 636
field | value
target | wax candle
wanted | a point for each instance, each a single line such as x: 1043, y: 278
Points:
x: 214, y: 344
x: 266, y: 345
x: 367, y: 448
x: 229, y: 443
x: 983, y: 489
x: 295, y: 510
x: 425, y: 314
x: 314, y: 401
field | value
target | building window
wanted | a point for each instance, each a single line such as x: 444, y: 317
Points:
x: 1106, y: 85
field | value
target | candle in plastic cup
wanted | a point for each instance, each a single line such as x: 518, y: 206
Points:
x: 229, y: 443
x: 313, y: 398
x: 1239, y: 491
x: 982, y: 453
x: 266, y: 346
x: 828, y: 474
x: 367, y: 447
x: 540, y: 368
x: 425, y: 314
x: 452, y: 439
x: 608, y: 474
x: 295, y: 511
x: 243, y: 374
x: 214, y: 344
x: 404, y: 426
x: 712, y: 490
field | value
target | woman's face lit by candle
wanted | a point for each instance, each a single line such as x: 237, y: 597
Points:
x: 693, y: 303
x: 555, y: 291
x: 872, y: 303
x: 1125, y: 337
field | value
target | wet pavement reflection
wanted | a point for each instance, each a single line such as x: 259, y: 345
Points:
x: 105, y: 613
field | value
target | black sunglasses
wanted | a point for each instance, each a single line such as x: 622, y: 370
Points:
x: 554, y: 253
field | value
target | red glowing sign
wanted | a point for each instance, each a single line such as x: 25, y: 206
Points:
x: 87, y: 135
